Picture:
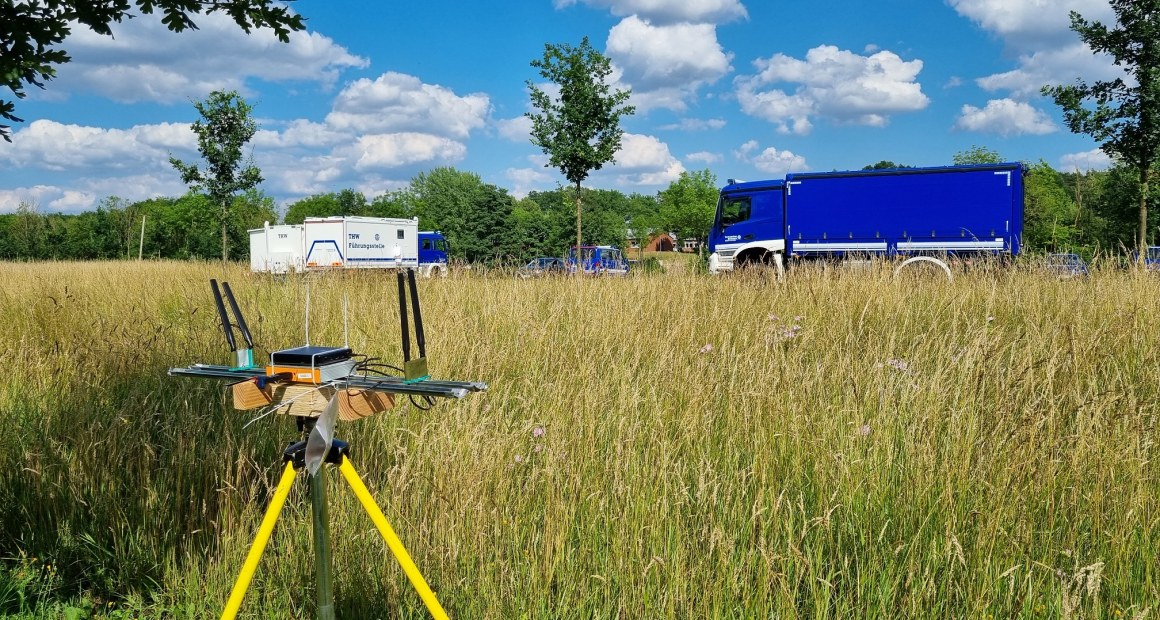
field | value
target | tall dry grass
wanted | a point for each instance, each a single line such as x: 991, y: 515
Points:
x: 846, y: 444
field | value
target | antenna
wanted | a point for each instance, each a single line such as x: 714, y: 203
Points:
x: 217, y: 298
x: 419, y: 340
x: 345, y: 331
x: 238, y: 315
x: 307, y: 315
x: 403, y: 319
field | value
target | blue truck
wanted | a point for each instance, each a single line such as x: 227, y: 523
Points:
x: 913, y: 213
x: 598, y: 260
x: 433, y: 248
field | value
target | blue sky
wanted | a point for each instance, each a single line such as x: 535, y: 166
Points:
x: 373, y: 93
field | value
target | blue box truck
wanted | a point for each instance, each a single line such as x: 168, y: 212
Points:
x: 910, y: 212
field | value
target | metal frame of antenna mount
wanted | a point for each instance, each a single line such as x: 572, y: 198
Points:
x: 415, y: 382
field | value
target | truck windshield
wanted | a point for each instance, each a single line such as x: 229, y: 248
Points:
x: 734, y: 210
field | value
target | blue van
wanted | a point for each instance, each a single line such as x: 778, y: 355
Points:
x: 603, y: 260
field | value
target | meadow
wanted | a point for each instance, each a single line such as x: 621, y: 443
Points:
x: 840, y: 445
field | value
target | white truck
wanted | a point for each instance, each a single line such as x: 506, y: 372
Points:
x: 277, y: 249
x: 347, y: 242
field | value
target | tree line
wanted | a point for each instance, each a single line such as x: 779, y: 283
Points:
x: 1082, y: 212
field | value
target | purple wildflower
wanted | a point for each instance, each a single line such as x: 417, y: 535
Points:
x: 538, y: 431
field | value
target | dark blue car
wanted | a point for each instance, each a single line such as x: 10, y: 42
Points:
x: 1067, y: 265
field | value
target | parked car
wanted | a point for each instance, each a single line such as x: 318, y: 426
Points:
x: 1151, y: 259
x: 543, y: 266
x: 599, y: 260
x: 1067, y: 265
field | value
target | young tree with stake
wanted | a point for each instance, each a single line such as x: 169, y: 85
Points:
x: 580, y: 130
x: 222, y: 132
x: 1126, y: 118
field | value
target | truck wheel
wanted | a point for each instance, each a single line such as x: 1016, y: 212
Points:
x: 925, y: 259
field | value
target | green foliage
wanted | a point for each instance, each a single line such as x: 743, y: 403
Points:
x: 473, y: 215
x: 1050, y: 215
x: 688, y: 205
x: 184, y: 227
x: 225, y: 126
x: 977, y: 155
x: 346, y: 202
x: 1126, y: 118
x: 580, y: 131
x: 885, y: 164
x: 31, y: 31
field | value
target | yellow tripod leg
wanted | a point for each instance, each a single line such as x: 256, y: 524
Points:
x: 368, y: 502
x: 259, y: 545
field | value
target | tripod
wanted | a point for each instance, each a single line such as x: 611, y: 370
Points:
x: 295, y: 459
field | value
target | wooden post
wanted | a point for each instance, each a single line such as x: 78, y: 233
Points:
x: 141, y: 244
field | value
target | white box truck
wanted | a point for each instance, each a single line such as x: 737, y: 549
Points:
x: 277, y: 249
x: 354, y: 242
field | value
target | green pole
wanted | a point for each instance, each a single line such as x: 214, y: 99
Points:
x: 325, y: 587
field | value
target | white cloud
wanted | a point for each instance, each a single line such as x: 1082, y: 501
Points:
x: 774, y: 161
x: 665, y: 65
x: 518, y: 129
x: 645, y: 160
x: 1006, y: 118
x: 870, y: 48
x: 147, y: 62
x: 836, y: 84
x: 51, y: 145
x: 670, y: 11
x: 954, y: 82
x: 85, y: 192
x: 400, y: 149
x: 705, y: 157
x: 1038, y: 33
x: 694, y: 124
x: 1094, y: 159
x: 1050, y: 67
x: 1030, y: 22
x: 395, y: 102
x: 525, y: 180
x: 771, y: 160
x: 378, y: 131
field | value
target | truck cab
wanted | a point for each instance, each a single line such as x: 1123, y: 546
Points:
x: 598, y: 260
x: 747, y: 227
x: 433, y: 249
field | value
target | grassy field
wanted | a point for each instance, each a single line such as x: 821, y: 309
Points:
x: 845, y: 445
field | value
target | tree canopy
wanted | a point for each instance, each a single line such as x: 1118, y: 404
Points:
x: 580, y: 129
x: 31, y: 32
x: 1126, y: 117
x: 977, y: 155
x: 225, y: 126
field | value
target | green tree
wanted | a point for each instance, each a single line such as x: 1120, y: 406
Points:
x: 1126, y: 118
x: 474, y: 216
x: 31, y: 31
x: 885, y: 164
x: 580, y: 130
x: 977, y: 155
x: 223, y: 130
x: 689, y: 204
x: 1050, y: 220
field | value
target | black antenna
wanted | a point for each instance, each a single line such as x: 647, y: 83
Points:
x: 403, y: 319
x: 419, y: 340
x: 238, y: 315
x: 217, y: 297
